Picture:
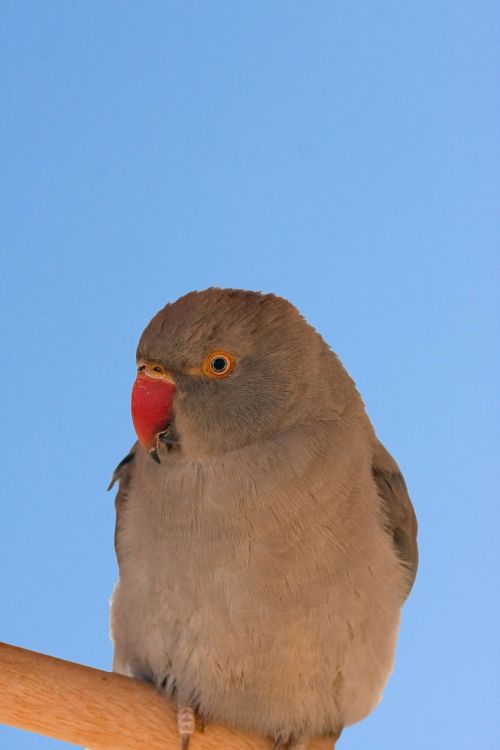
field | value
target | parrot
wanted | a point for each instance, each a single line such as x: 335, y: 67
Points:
x: 265, y: 538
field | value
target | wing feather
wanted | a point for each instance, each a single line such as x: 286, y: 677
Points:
x: 399, y: 515
x: 123, y: 475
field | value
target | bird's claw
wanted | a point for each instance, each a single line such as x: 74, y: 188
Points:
x: 288, y: 742
x: 154, y: 455
x: 298, y: 742
x: 280, y: 742
x: 185, y: 724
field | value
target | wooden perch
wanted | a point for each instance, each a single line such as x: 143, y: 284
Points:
x: 98, y: 710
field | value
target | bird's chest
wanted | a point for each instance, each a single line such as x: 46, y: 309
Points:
x: 204, y: 549
x: 221, y: 582
x: 208, y: 543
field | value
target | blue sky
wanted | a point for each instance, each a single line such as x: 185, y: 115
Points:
x: 344, y: 155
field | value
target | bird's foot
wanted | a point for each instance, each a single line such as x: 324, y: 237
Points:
x: 185, y: 724
x: 298, y: 743
x: 280, y: 742
x: 288, y: 742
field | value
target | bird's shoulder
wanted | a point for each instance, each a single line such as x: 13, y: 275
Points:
x: 398, y: 513
x: 123, y: 475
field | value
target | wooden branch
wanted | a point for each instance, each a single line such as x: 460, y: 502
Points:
x: 98, y: 710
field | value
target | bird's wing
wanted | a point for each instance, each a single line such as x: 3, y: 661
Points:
x: 123, y: 475
x: 399, y: 515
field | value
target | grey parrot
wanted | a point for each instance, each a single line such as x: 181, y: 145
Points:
x: 265, y: 538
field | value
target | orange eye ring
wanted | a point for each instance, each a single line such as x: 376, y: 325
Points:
x: 218, y: 365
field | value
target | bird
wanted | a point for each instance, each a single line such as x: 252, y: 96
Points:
x: 265, y: 538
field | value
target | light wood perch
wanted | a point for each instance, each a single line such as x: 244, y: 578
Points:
x: 99, y: 710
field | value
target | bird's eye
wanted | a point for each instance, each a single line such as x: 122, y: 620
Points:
x: 218, y: 365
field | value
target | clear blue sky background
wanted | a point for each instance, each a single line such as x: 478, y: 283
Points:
x: 342, y: 154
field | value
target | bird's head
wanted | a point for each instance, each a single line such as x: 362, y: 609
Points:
x: 224, y: 368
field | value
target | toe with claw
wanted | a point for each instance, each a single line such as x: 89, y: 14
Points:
x: 185, y: 724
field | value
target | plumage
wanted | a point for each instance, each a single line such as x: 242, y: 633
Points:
x: 264, y: 561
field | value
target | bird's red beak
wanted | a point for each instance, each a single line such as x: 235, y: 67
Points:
x: 152, y: 408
